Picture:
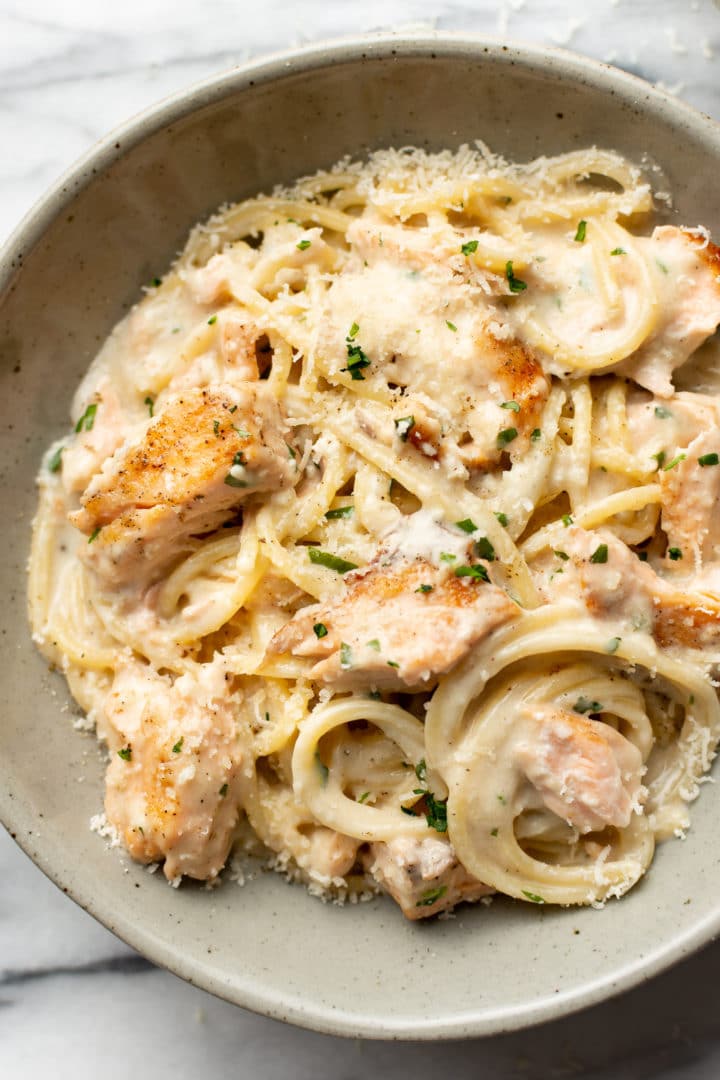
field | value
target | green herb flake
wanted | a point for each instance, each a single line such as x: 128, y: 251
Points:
x: 512, y: 405
x: 322, y: 768
x: 150, y: 402
x: 431, y: 896
x: 357, y: 359
x: 125, y: 753
x: 533, y: 897
x: 675, y: 553
x: 470, y: 247
x: 562, y: 555
x: 232, y: 409
x: 393, y: 664
x: 581, y: 231
x: 421, y: 771
x: 662, y: 413
x: 600, y: 554
x: 178, y: 745
x: 467, y: 525
x: 660, y: 458
x: 364, y: 797
x: 484, y: 549
x: 436, y: 813
x: 331, y: 562
x: 566, y: 520
x: 451, y: 325
x: 346, y: 657
x: 320, y: 630
x: 502, y: 518
x: 515, y: 284
x: 340, y: 512
x: 494, y: 832
x: 56, y: 460
x: 216, y: 427
x: 613, y: 645
x: 709, y: 459
x: 94, y: 534
x: 374, y: 644
x: 424, y: 588
x: 212, y: 320
x: 585, y: 705
x: 408, y: 810
x: 476, y: 573
x: 506, y: 436
x: 675, y: 461
x: 618, y: 251
x: 404, y: 426
x: 86, y: 421
x: 223, y: 791
x: 502, y: 799
x: 303, y: 245
x: 661, y: 266
x: 353, y: 331
x: 535, y: 434
x: 447, y: 556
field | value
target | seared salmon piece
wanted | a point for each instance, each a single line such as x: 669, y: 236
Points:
x: 196, y: 462
x: 174, y: 778
x: 584, y: 771
x: 691, y: 500
x: 404, y: 619
x: 423, y: 877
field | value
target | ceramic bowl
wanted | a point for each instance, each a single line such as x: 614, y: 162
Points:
x: 71, y: 270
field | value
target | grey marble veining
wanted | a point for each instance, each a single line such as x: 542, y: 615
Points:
x: 74, y: 1001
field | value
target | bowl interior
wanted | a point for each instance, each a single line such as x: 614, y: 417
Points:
x: 72, y: 270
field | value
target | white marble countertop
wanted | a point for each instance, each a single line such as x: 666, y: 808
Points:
x: 74, y: 1001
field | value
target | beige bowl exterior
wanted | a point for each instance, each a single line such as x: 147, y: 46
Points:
x: 71, y: 270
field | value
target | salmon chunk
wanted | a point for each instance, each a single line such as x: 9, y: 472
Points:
x: 402, y: 621
x: 195, y: 464
x: 585, y: 771
x: 691, y: 500
x: 174, y: 778
x: 423, y: 877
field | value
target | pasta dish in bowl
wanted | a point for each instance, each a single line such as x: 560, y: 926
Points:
x: 384, y: 543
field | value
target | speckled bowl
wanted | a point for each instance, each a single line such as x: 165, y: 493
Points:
x: 70, y: 271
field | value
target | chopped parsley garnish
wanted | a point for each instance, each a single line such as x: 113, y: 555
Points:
x: 618, y: 251
x: 513, y: 405
x: 675, y: 553
x: 392, y: 663
x: 502, y: 518
x: 357, y: 359
x: 332, y: 562
x: 374, y: 644
x: 660, y: 458
x: 600, y: 554
x: 431, y: 896
x: 566, y: 520
x: 494, y: 832
x: 613, y: 645
x: 585, y: 705
x: 94, y: 534
x: 364, y: 797
x: 212, y: 320
x: 662, y: 413
x: 178, y: 745
x: 675, y: 461
x: 291, y: 452
x: 447, y: 556
x: 346, y: 657
x: 484, y: 549
x: 506, y: 436
x: 231, y: 480
x: 126, y: 753
x: 56, y: 460
x: 320, y: 630
x: 421, y: 771
x: 324, y: 771
x: 340, y: 512
x: 477, y: 573
x: 467, y: 525
x: 562, y: 555
x: 424, y: 588
x: 303, y: 245
x: 502, y: 799
x: 232, y: 409
x: 470, y: 247
x: 533, y: 897
x: 408, y: 810
x: 515, y: 284
x: 404, y: 426
x: 223, y: 791
x: 580, y: 234
x: 150, y: 404
x: 86, y: 421
x: 661, y: 266
x: 216, y: 427
x: 450, y: 325
x: 156, y: 282
x: 709, y: 459
x: 436, y: 813
x: 535, y: 434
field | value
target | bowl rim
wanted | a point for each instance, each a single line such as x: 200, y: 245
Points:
x: 24, y: 237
